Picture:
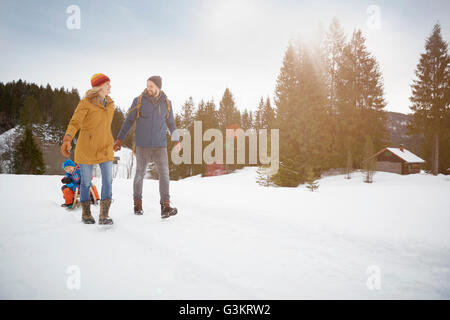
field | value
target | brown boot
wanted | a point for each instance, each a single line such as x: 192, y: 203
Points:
x: 86, y: 215
x: 104, y: 209
x: 166, y: 210
x: 138, y: 207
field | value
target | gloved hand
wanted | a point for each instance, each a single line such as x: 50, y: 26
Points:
x: 66, y: 180
x: 66, y: 146
x: 118, y: 145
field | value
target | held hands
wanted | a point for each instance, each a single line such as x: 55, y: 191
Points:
x: 118, y: 145
x: 66, y: 146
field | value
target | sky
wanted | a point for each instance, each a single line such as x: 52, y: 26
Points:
x: 202, y: 47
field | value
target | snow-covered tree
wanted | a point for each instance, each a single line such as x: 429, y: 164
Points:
x: 28, y: 156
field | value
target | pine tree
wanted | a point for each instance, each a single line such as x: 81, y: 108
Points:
x: 287, y: 84
x: 334, y: 44
x: 262, y: 177
x: 28, y: 156
x: 313, y: 138
x: 430, y: 101
x: 286, y: 101
x: 268, y: 115
x: 228, y: 114
x: 257, y: 124
x: 229, y: 117
x: 369, y: 160
x: 179, y: 171
x: 187, y: 114
x: 286, y: 175
x: 301, y: 116
x: 246, y: 120
x: 29, y: 113
x: 360, y: 100
x: 330, y: 51
x: 206, y: 113
x: 117, y: 121
x: 185, y: 120
x: 264, y: 119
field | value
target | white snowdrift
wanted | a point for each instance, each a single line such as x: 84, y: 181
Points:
x: 232, y: 239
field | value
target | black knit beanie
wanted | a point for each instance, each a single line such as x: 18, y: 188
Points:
x: 156, y: 80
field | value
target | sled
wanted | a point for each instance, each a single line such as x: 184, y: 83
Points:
x: 76, y: 200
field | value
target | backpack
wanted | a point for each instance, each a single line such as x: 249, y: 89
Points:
x: 139, y: 104
x: 138, y: 114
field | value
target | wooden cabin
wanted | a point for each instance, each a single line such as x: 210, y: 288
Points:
x: 398, y: 160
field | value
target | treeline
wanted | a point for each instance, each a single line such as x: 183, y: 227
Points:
x: 329, y: 109
x: 329, y: 105
x: 27, y: 106
x: 224, y: 116
x: 24, y: 103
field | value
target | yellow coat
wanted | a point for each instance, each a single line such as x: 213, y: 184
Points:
x: 95, y: 142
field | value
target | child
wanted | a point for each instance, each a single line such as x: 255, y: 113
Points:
x: 71, y: 182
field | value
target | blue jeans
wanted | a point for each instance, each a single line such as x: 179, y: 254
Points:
x: 86, y: 174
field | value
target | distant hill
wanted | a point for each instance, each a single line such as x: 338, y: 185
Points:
x: 396, y: 124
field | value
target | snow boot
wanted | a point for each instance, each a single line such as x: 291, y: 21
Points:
x: 166, y: 210
x: 104, y: 209
x: 86, y: 215
x: 138, y: 207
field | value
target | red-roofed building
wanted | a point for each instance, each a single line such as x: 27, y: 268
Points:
x: 215, y: 169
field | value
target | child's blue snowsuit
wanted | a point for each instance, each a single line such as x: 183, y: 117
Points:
x: 75, y: 176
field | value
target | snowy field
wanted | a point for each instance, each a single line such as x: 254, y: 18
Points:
x: 232, y: 239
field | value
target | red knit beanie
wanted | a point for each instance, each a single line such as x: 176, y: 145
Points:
x: 98, y: 79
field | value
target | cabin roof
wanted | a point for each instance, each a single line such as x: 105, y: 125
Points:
x: 405, y: 155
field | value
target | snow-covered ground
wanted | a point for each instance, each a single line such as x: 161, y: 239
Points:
x: 232, y: 239
x: 125, y: 166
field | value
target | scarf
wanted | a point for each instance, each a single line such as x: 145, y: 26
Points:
x: 155, y: 100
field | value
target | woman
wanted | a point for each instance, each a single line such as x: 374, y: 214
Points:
x: 93, y: 117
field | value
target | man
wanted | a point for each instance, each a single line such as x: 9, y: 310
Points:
x: 153, y: 114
